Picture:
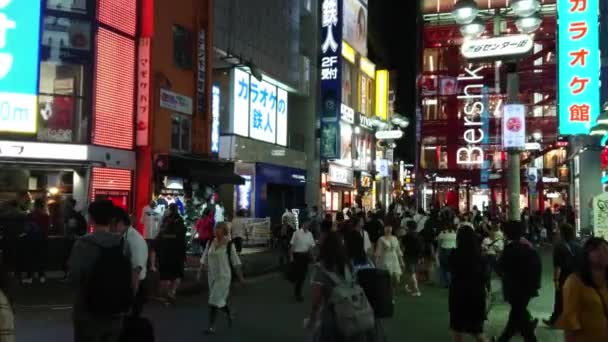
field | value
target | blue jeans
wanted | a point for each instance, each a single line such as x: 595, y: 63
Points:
x: 444, y: 271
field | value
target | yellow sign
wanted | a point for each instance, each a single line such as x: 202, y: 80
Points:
x: 348, y: 52
x: 382, y: 94
x: 368, y: 67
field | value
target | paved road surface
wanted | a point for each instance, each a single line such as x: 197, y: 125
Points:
x: 265, y: 312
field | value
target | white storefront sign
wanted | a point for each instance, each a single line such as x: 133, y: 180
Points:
x: 389, y: 135
x: 514, y: 126
x: 473, y: 108
x: 448, y: 179
x: 340, y: 175
x: 550, y: 179
x: 176, y: 102
x: 600, y: 216
x: 347, y: 114
x: 497, y: 47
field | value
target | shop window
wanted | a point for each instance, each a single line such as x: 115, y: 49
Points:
x: 182, y: 47
x: 73, y: 6
x: 181, y: 130
x: 62, y: 102
x: 433, y: 109
x: 65, y: 39
x: 433, y: 60
x: 347, y: 84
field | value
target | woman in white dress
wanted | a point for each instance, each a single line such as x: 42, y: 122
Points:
x: 221, y: 260
x: 389, y: 255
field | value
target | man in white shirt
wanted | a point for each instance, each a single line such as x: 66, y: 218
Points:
x: 151, y: 217
x: 137, y: 250
x: 302, y: 243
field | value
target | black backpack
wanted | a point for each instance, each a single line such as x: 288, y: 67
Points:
x: 108, y: 289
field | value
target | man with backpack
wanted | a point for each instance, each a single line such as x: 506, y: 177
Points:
x: 520, y: 269
x: 566, y: 258
x: 101, y: 273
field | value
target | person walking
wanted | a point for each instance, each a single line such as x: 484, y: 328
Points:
x: 36, y: 241
x: 151, y: 220
x: 222, y: 263
x: 204, y: 227
x: 172, y: 253
x: 467, y: 300
x: 75, y: 226
x: 585, y: 314
x: 413, y: 251
x: 359, y: 228
x: 101, y: 274
x: 567, y: 256
x: 389, y: 256
x: 491, y: 248
x: 302, y: 243
x: 520, y: 269
x: 238, y: 230
x: 137, y: 249
x: 447, y: 243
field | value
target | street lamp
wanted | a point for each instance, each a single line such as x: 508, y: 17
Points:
x: 473, y: 29
x: 525, y: 8
x: 465, y: 11
x: 528, y: 24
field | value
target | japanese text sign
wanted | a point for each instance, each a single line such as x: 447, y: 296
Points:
x: 514, y: 126
x: 143, y: 92
x: 259, y: 109
x: 19, y: 52
x: 497, y: 47
x: 331, y: 76
x: 579, y: 65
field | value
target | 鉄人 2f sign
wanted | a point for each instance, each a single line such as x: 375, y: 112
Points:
x: 19, y: 60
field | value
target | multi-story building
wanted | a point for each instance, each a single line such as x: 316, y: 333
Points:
x: 67, y: 76
x: 460, y: 168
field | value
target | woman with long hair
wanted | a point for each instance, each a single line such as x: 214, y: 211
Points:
x: 467, y: 300
x: 585, y: 314
x: 447, y: 243
x: 389, y: 256
x: 172, y: 252
x: 221, y: 260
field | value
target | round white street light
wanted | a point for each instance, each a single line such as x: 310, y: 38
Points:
x: 465, y: 11
x: 529, y: 24
x: 525, y: 8
x: 357, y: 130
x: 473, y: 29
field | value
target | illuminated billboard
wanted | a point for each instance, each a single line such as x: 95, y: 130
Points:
x: 19, y: 61
x: 579, y: 65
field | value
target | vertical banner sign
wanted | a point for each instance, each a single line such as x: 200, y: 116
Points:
x: 331, y: 77
x: 579, y: 65
x: 600, y: 215
x: 215, y: 123
x: 19, y: 49
x: 484, y: 173
x: 514, y: 126
x: 200, y: 75
x: 143, y: 92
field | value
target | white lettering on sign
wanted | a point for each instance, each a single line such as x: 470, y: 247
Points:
x: 340, y: 175
x: 471, y: 115
x: 445, y: 179
x: 365, y: 121
x: 143, y: 92
x: 550, y: 179
x: 389, y: 135
x: 497, y: 47
x: 329, y: 19
x: 347, y: 114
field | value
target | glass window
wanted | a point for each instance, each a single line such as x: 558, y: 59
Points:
x: 62, y: 101
x: 183, y: 47
x: 65, y: 39
x: 347, y: 84
x: 433, y: 60
x: 181, y: 130
x: 75, y: 6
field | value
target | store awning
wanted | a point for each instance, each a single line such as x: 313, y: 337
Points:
x: 202, y: 170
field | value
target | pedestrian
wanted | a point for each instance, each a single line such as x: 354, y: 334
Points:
x: 204, y: 227
x: 520, y: 269
x: 315, y: 222
x: 36, y: 232
x: 447, y: 243
x: 413, y: 251
x: 172, y: 253
x: 491, y: 248
x: 567, y: 256
x: 12, y: 222
x: 75, y: 226
x: 467, y: 300
x: 302, y: 244
x: 429, y: 236
x: 331, y: 275
x: 548, y: 223
x: 585, y: 314
x: 222, y: 264
x: 151, y: 219
x: 237, y: 230
x: 101, y: 274
x: 389, y: 256
x: 359, y: 225
x: 420, y: 218
x: 7, y: 317
x: 137, y: 249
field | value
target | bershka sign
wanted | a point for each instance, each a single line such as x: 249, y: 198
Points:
x: 389, y: 135
x: 473, y: 134
x: 502, y: 47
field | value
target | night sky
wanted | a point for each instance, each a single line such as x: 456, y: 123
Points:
x: 392, y: 43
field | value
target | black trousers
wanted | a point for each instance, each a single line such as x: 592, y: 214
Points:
x: 67, y: 251
x: 140, y: 298
x: 300, y: 264
x: 558, y: 305
x: 520, y: 321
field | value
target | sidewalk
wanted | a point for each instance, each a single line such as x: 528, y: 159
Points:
x: 58, y: 293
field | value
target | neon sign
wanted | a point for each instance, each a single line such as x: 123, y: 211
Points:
x: 215, y: 116
x: 19, y: 49
x: 579, y: 65
x: 473, y: 107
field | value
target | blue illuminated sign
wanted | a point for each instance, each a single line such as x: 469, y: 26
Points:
x: 215, y: 117
x: 579, y: 65
x: 19, y: 49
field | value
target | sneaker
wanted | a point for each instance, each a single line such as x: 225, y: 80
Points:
x: 27, y: 280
